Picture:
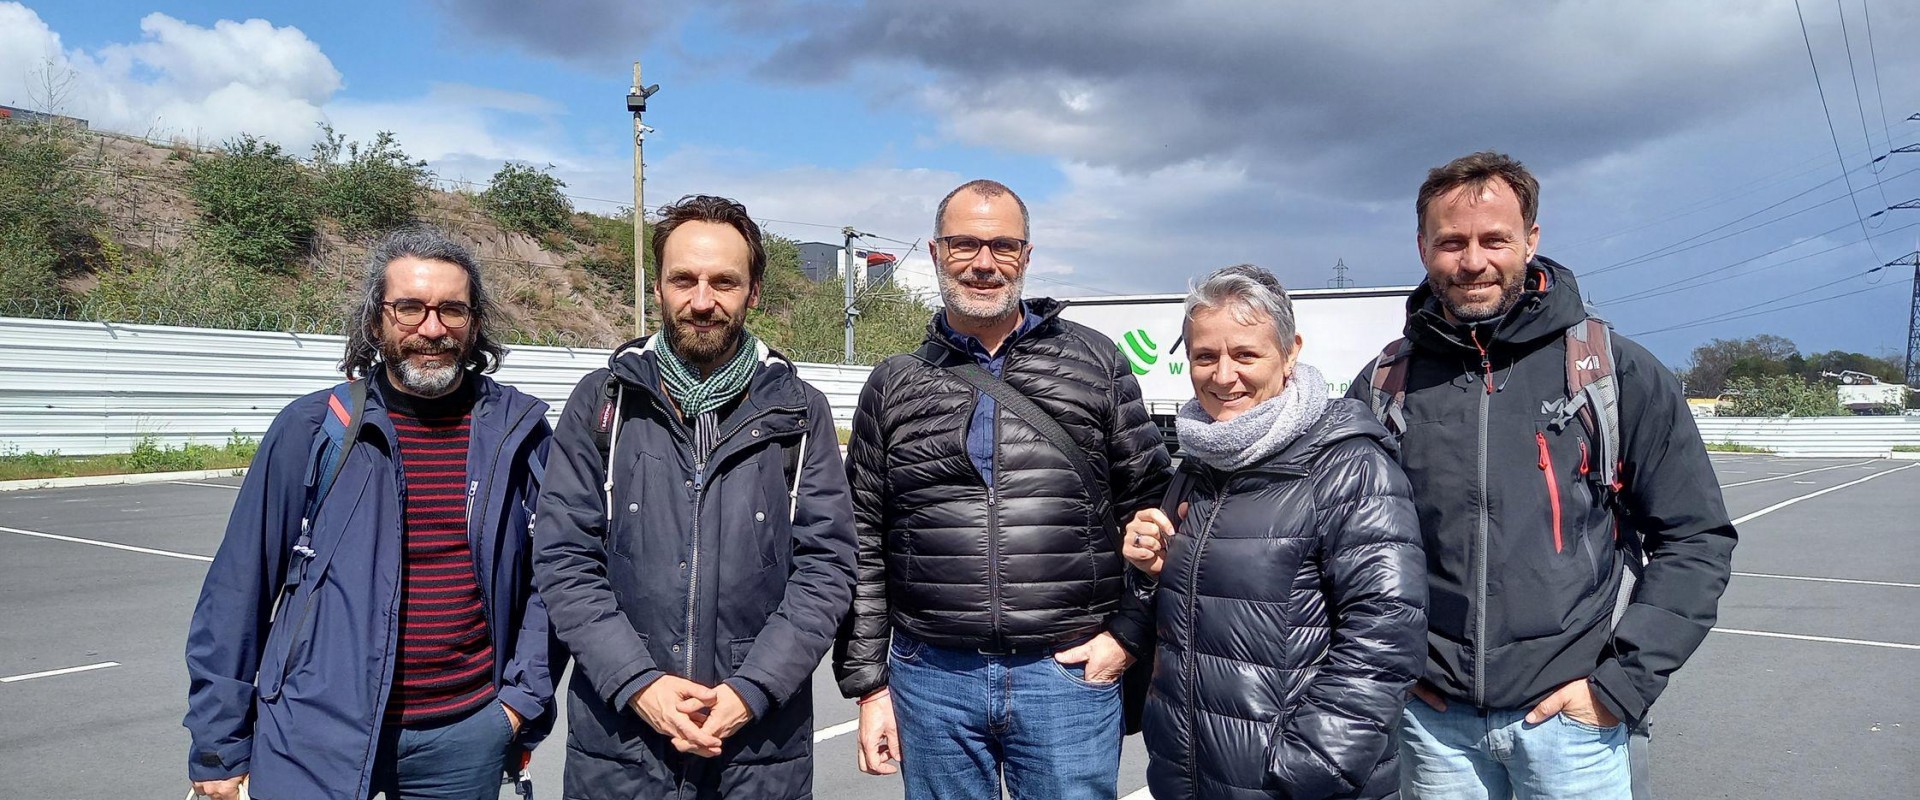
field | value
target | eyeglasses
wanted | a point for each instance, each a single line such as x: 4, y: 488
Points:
x: 962, y: 246
x: 412, y: 312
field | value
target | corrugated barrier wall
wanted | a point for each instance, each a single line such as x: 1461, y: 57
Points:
x: 85, y: 388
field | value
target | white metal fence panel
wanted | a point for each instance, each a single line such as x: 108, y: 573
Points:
x: 1815, y: 436
x: 85, y: 388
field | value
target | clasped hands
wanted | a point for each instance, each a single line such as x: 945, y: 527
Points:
x: 698, y: 718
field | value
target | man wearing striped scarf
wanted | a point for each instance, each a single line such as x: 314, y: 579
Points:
x: 695, y: 539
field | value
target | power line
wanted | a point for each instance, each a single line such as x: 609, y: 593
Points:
x: 1831, y: 131
x: 1699, y: 323
x: 1859, y: 104
x: 1693, y: 281
x: 1874, y: 60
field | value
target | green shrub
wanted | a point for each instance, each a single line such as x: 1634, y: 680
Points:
x: 1780, y: 396
x: 241, y: 446
x: 46, y: 223
x: 368, y: 190
x: 521, y: 198
x: 149, y: 455
x: 15, y: 462
x: 256, y: 205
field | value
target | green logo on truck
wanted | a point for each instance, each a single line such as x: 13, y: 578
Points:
x: 1140, y: 350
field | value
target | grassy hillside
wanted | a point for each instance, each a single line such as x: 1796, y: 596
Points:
x: 244, y: 235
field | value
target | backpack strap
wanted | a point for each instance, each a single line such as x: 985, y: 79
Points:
x: 613, y: 404
x: 1593, y: 396
x: 1389, y: 393
x: 340, y: 425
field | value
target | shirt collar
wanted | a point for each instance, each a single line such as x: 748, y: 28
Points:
x: 972, y: 346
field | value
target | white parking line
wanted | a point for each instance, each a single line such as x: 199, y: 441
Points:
x: 1809, y: 496
x: 831, y: 731
x: 67, y: 671
x: 1143, y: 794
x: 1826, y: 580
x: 1827, y: 639
x: 96, y: 543
x: 235, y: 487
x: 1795, y: 474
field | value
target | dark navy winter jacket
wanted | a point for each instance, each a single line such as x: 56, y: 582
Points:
x: 716, y: 575
x: 298, y: 702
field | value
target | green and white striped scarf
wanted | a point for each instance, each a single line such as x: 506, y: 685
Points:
x: 695, y: 396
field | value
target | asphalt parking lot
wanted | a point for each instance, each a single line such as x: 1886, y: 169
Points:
x: 1807, y: 688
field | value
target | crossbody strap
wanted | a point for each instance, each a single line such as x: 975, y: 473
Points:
x: 1023, y: 407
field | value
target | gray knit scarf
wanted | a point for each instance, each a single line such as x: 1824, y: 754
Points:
x: 696, y: 396
x: 1262, y: 431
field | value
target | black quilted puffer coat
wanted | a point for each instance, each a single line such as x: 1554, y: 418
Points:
x: 1291, y: 619
x: 1021, y: 565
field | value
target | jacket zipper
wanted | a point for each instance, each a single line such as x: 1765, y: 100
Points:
x: 993, y: 532
x: 1480, y: 543
x: 699, y: 500
x: 473, y: 541
x: 1553, y: 487
x: 1190, y: 667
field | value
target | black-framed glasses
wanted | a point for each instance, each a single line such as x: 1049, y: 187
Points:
x: 962, y: 246
x: 410, y: 312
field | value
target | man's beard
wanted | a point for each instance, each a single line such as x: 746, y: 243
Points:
x: 703, y: 350
x: 1509, y: 295
x: 954, y: 295
x: 423, y: 379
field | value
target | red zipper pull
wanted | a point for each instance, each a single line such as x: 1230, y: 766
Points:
x: 1486, y: 364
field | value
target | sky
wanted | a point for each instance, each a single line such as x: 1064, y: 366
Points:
x: 1696, y: 175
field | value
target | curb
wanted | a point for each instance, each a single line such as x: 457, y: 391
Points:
x: 114, y: 480
x: 1899, y: 455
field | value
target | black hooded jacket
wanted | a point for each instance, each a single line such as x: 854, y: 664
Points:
x: 1018, y: 566
x: 1524, y: 559
x: 1291, y: 623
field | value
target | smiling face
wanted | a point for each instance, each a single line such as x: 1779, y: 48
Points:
x: 982, y: 287
x: 1475, y: 246
x: 424, y: 359
x: 1235, y: 365
x: 705, y: 288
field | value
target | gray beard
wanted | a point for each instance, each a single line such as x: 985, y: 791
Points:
x: 1509, y: 295
x: 953, y: 295
x: 424, y: 381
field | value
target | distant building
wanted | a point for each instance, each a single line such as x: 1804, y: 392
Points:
x: 29, y: 115
x: 821, y: 261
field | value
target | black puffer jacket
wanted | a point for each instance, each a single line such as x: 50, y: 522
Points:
x: 1292, y: 619
x: 1017, y: 566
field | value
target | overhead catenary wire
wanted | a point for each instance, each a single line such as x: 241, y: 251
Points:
x: 1834, y: 133
x: 1859, y: 104
x: 1720, y: 319
x: 1693, y: 282
x: 1873, y: 59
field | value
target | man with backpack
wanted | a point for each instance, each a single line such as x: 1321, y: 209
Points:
x: 695, y: 538
x: 369, y: 625
x: 1549, y: 457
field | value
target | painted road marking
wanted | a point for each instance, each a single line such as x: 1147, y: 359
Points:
x: 1827, y: 639
x: 1851, y: 581
x: 117, y: 546
x: 1143, y: 794
x: 831, y: 731
x: 67, y: 671
x: 1795, y: 474
x: 1809, y: 496
x: 208, y: 485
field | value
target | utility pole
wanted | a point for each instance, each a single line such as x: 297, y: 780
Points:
x: 637, y: 103
x: 846, y: 254
x: 1340, y: 279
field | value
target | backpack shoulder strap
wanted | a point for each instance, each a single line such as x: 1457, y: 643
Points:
x: 346, y: 407
x: 606, y: 429
x: 1593, y: 394
x: 1389, y: 391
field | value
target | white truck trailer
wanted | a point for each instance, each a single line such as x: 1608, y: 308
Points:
x: 1343, y: 330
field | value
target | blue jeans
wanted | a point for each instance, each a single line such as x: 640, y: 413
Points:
x: 460, y: 759
x: 967, y: 719
x: 1464, y: 754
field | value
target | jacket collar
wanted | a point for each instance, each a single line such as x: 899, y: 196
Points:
x: 1042, y: 318
x: 775, y: 383
x: 1547, y: 307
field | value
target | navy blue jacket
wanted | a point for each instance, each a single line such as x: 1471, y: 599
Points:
x: 699, y: 575
x: 298, y: 702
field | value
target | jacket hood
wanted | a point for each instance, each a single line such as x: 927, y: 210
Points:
x: 636, y: 364
x: 1548, y: 306
x: 1345, y: 418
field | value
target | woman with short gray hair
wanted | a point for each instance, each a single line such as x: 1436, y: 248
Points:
x: 1292, y: 596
